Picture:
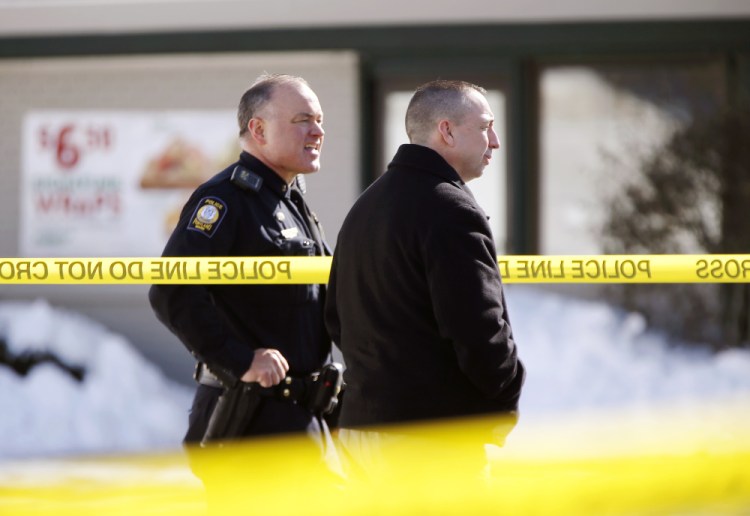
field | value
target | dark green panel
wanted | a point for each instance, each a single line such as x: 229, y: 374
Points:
x: 517, y: 40
x: 367, y: 129
x: 523, y: 158
x: 740, y: 73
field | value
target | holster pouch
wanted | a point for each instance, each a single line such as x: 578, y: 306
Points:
x: 237, y: 405
x: 324, y: 388
x: 233, y: 412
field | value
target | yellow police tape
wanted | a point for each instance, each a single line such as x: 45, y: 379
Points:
x: 306, y: 270
x: 659, y: 461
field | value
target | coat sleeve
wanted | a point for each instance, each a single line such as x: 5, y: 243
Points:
x: 467, y: 296
x: 189, y: 311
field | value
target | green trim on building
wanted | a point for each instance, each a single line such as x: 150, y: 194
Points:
x: 506, y: 40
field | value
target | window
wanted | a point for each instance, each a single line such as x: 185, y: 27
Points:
x: 596, y: 121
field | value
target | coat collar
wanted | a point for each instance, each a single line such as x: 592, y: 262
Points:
x: 426, y: 159
x: 270, y: 178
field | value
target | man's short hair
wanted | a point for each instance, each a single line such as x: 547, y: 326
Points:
x: 437, y: 100
x: 259, y: 94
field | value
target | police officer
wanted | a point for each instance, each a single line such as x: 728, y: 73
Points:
x: 255, y: 207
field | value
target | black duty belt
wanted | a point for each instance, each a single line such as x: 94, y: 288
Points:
x: 291, y: 388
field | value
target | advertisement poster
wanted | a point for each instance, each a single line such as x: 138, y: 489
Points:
x: 109, y: 183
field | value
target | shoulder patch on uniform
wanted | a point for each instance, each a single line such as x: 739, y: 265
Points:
x: 246, y: 179
x: 208, y: 215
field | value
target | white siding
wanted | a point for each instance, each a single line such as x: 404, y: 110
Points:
x: 111, y: 16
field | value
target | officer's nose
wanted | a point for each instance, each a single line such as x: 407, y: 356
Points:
x: 317, y: 129
x: 494, y: 140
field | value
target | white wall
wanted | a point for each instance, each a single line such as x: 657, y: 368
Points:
x: 25, y: 17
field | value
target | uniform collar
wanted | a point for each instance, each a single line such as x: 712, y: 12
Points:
x: 270, y: 178
x: 426, y: 159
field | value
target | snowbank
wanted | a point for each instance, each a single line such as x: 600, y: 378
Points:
x: 580, y: 356
x: 583, y: 355
x: 124, y: 403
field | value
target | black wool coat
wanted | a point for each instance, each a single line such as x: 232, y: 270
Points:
x: 415, y: 300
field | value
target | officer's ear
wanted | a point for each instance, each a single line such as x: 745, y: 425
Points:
x: 256, y: 128
x: 445, y: 129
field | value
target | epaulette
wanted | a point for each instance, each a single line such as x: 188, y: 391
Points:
x: 246, y: 179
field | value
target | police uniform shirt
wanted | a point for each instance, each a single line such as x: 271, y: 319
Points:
x: 246, y: 210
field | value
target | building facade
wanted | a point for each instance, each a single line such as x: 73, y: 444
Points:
x: 92, y: 95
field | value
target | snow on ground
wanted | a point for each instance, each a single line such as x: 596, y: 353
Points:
x: 124, y: 403
x: 579, y: 356
x: 583, y: 355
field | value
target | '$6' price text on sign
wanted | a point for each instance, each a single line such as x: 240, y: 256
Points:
x: 70, y: 141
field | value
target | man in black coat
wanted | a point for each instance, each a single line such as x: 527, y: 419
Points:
x: 415, y: 299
